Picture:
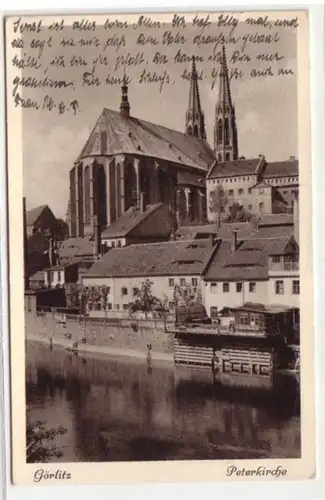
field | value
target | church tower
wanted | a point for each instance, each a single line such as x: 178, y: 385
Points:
x: 194, y: 116
x: 225, y: 131
x: 125, y: 105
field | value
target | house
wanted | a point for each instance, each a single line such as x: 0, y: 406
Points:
x: 76, y: 249
x: 139, y: 225
x: 173, y: 267
x: 41, y: 219
x: 260, y: 268
x: 65, y: 274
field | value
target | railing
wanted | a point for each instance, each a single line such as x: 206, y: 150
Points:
x: 284, y: 266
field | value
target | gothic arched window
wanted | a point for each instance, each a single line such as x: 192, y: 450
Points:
x: 219, y: 157
x: 226, y: 131
x: 87, y: 194
x: 227, y: 156
x: 219, y: 132
x: 189, y: 130
x: 196, y: 132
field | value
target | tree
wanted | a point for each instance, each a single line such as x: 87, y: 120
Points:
x: 237, y: 213
x: 145, y: 301
x: 39, y: 447
x: 187, y: 294
x: 218, y: 202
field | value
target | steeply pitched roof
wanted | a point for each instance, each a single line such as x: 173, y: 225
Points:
x: 244, y: 230
x: 154, y: 259
x: 190, y: 179
x: 281, y: 169
x: 190, y: 232
x: 234, y: 168
x: 139, y: 137
x: 34, y: 214
x: 38, y: 276
x: 131, y: 219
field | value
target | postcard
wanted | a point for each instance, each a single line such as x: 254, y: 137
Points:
x: 160, y: 247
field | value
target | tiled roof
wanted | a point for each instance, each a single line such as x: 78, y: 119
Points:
x: 249, y: 261
x: 244, y: 230
x: 142, y: 138
x: 190, y: 232
x: 33, y: 215
x: 76, y: 247
x: 132, y: 218
x: 154, y: 259
x: 281, y: 169
x: 233, y: 168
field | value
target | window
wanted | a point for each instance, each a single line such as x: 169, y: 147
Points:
x: 261, y: 190
x: 182, y: 281
x: 296, y: 287
x: 231, y: 192
x: 59, y: 275
x: 119, y: 243
x: 261, y: 207
x: 225, y: 287
x: 243, y: 319
x: 124, y: 291
x: 219, y: 134
x: 252, y: 287
x: 227, y: 134
x: 109, y: 305
x: 125, y: 307
x: 194, y: 282
x: 213, y: 287
x: 135, y: 291
x: 227, y: 156
x: 240, y: 191
x: 249, y: 190
x: 171, y: 282
x: 279, y: 287
x: 276, y: 259
x: 239, y: 287
x: 113, y: 244
x: 214, y: 312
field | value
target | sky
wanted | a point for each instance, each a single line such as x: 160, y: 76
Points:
x: 266, y: 107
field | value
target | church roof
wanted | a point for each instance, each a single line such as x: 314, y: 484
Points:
x: 114, y: 134
x: 234, y: 167
x: 281, y: 169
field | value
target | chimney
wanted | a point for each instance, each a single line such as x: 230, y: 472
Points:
x: 234, y: 241
x: 296, y: 218
x: 25, y: 245
x: 141, y: 203
x: 97, y: 237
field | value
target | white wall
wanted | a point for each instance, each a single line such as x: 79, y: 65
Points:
x: 232, y: 183
x: 288, y: 298
x: 216, y: 297
x: 57, y: 278
x: 117, y: 242
x: 160, y: 287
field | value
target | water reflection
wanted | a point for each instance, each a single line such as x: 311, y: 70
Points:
x: 124, y: 410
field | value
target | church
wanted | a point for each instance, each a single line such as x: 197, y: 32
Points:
x: 128, y: 162
x: 127, y: 159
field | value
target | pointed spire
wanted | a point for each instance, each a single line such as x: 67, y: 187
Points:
x: 125, y: 105
x: 225, y: 131
x: 194, y: 115
x: 224, y: 84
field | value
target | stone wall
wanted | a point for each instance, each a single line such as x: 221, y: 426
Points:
x: 127, y: 334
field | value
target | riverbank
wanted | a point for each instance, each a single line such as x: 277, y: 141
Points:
x: 96, y: 350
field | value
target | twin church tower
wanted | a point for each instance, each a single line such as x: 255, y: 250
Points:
x: 225, y: 130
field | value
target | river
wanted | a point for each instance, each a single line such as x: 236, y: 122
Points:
x: 124, y: 410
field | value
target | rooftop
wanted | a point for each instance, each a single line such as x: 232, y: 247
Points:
x: 285, y: 168
x: 127, y: 222
x: 155, y: 259
x: 114, y: 134
x: 76, y: 247
x: 234, y: 168
x: 34, y: 214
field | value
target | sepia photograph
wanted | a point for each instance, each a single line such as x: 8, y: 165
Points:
x: 161, y: 292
